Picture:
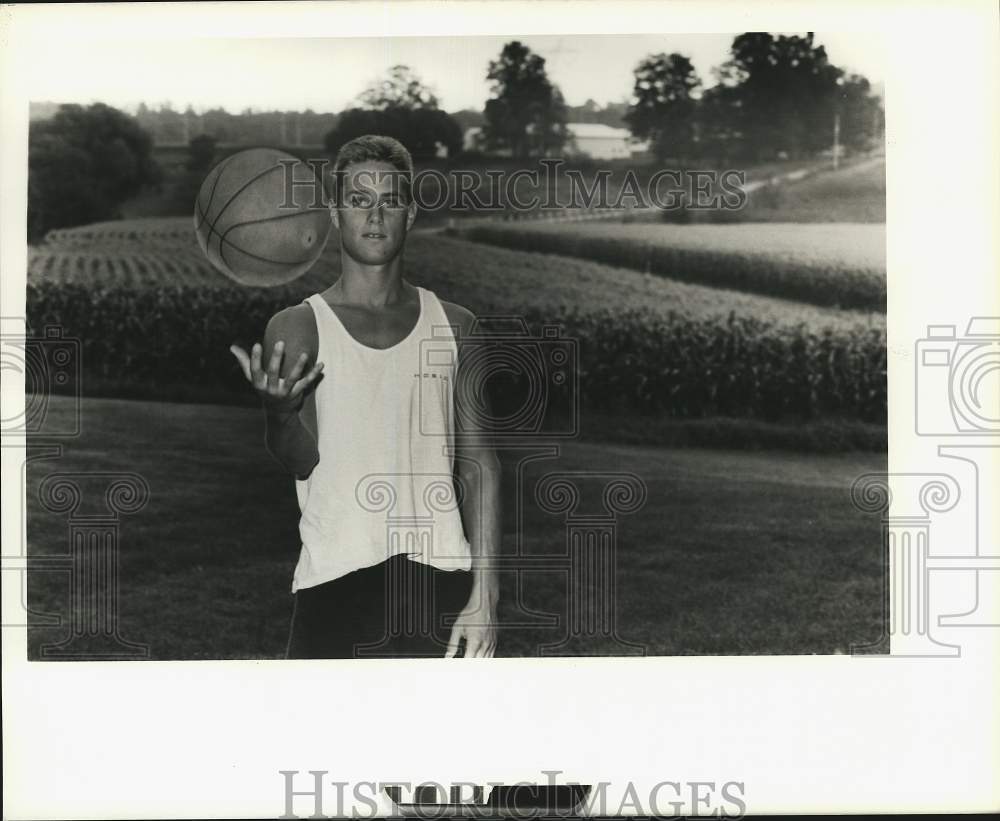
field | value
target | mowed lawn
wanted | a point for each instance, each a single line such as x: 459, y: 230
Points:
x: 732, y: 553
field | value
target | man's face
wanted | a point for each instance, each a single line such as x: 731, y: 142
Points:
x: 372, y: 215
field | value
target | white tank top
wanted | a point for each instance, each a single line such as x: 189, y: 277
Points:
x: 385, y: 430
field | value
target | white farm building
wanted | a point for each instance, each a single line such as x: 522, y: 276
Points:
x: 594, y: 140
x: 599, y: 141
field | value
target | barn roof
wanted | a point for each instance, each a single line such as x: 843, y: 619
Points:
x: 592, y: 130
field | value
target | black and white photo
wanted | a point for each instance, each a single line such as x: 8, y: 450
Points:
x: 491, y: 407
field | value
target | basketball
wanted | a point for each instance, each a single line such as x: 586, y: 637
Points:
x: 253, y: 225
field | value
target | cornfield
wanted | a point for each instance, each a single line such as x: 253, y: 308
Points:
x: 145, y: 253
x: 835, y: 265
x: 150, y: 311
x: 631, y: 361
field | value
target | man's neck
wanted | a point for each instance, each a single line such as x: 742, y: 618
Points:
x: 372, y: 287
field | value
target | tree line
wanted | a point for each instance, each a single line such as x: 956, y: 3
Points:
x: 774, y: 97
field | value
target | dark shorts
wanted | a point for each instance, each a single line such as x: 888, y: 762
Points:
x: 399, y: 608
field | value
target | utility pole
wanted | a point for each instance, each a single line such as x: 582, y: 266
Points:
x: 836, y: 140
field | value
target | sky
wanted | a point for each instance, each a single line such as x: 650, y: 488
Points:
x: 327, y: 74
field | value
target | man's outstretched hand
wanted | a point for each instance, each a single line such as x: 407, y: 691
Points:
x: 278, y: 394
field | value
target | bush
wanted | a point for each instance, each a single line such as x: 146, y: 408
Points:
x: 83, y: 163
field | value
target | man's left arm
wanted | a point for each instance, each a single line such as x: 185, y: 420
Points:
x: 478, y: 470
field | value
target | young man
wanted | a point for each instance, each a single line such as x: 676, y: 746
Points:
x: 359, y: 394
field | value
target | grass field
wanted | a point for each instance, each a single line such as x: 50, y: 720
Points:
x: 206, y: 566
x: 852, y: 194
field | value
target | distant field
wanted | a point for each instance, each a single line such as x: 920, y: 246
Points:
x: 852, y: 194
x: 860, y: 247
x: 163, y: 251
x: 841, y: 265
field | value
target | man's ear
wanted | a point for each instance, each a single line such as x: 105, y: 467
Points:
x: 334, y: 214
x: 411, y: 214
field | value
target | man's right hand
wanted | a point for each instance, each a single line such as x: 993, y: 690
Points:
x: 278, y: 394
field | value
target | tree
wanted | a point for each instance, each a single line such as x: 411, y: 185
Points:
x: 421, y: 130
x: 783, y: 93
x: 169, y: 125
x: 355, y: 122
x: 401, y: 89
x: 83, y: 163
x: 718, y: 125
x: 430, y: 128
x: 861, y: 116
x: 220, y: 124
x: 526, y: 112
x: 399, y: 107
x: 549, y: 132
x: 201, y: 153
x: 468, y: 118
x: 611, y: 114
x: 663, y: 107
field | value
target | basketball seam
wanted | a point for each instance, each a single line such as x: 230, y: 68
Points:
x: 232, y: 198
x: 203, y: 210
x: 222, y: 239
x: 239, y: 191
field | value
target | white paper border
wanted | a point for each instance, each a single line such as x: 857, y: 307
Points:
x: 820, y: 734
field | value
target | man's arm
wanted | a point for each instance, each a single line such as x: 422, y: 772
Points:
x: 479, y: 471
x: 286, y: 438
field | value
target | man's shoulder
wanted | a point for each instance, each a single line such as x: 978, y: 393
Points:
x: 295, y: 325
x: 458, y: 315
x: 293, y: 316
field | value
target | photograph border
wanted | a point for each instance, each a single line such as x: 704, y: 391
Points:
x: 915, y: 732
